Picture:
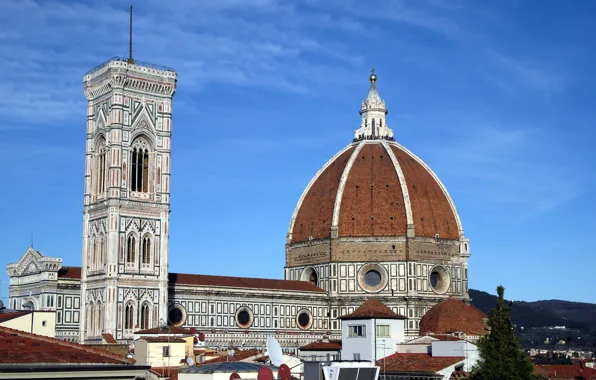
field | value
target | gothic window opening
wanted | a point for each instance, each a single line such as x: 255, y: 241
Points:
x: 130, y: 249
x: 146, y: 250
x: 102, y: 252
x: 139, y: 179
x: 91, y: 256
x: 129, y: 317
x: 145, y: 316
x: 101, y: 167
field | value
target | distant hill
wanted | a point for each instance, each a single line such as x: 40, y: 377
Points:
x: 541, y: 313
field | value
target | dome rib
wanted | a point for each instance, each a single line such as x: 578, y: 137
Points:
x: 342, y: 185
x: 291, y: 238
x: 460, y: 229
x: 402, y: 182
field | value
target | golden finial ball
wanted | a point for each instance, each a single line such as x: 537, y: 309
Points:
x: 373, y: 77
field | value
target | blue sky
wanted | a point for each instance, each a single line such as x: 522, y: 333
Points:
x: 497, y: 97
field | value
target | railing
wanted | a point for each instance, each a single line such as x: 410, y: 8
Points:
x: 138, y: 63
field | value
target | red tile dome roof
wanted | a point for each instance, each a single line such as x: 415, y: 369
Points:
x: 374, y: 188
x: 452, y: 316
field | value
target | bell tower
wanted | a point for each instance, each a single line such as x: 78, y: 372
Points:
x: 124, y: 279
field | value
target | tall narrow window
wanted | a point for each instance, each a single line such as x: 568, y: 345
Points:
x: 139, y: 179
x: 100, y: 167
x: 91, y: 256
x: 146, y: 250
x: 102, y: 251
x: 130, y: 249
x: 145, y: 316
x: 128, y: 317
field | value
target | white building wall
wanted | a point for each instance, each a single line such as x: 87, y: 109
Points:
x: 457, y: 348
x: 370, y: 347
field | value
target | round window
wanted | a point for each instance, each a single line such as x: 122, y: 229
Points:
x: 304, y: 319
x: 176, y: 315
x: 439, y: 279
x: 372, y: 278
x: 244, y: 317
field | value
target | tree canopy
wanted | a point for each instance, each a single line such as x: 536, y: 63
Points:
x: 501, y: 355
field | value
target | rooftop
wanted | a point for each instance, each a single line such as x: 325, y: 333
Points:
x: 373, y: 308
x: 237, y: 356
x: 162, y: 339
x: 322, y: 346
x: 20, y: 347
x: 12, y: 314
x: 241, y: 282
x: 226, y: 367
x: 419, y: 363
x: 565, y: 371
x: 136, y: 62
x: 452, y: 316
x: 166, y: 331
x: 69, y: 272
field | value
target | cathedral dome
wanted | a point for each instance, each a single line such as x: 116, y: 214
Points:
x: 374, y: 188
x: 453, y: 316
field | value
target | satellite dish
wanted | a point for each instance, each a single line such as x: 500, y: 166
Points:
x: 284, y: 372
x: 234, y: 376
x: 190, y: 361
x: 264, y: 374
x: 274, y: 350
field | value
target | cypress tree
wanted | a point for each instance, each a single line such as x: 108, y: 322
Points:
x: 501, y: 355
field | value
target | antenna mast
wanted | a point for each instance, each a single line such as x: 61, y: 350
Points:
x: 130, y: 60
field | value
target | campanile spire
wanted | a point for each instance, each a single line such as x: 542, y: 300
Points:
x: 373, y: 112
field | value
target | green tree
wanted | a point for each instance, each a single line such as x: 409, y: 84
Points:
x: 501, y: 355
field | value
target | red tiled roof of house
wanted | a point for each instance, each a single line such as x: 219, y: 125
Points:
x: 162, y: 339
x: 70, y: 272
x: 400, y: 362
x: 242, y: 282
x: 22, y: 347
x: 332, y: 345
x: 12, y: 315
x: 166, y: 331
x: 452, y: 316
x: 109, y: 338
x: 460, y: 375
x: 238, y: 356
x: 373, y: 308
x: 565, y: 371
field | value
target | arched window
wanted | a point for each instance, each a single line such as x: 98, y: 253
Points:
x: 139, y: 179
x: 91, y: 256
x: 102, y: 251
x: 131, y: 249
x: 91, y: 319
x: 101, y: 167
x: 146, y: 250
x: 129, y: 314
x: 145, y: 309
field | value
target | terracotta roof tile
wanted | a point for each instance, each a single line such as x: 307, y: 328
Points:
x: 109, y: 338
x: 372, y: 201
x: 322, y: 346
x: 166, y: 331
x: 70, y: 272
x: 565, y: 371
x: 12, y: 315
x: 238, y: 356
x: 373, y: 308
x: 401, y: 362
x: 162, y: 339
x: 316, y: 210
x: 452, y: 316
x: 21, y: 347
x: 242, y: 282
